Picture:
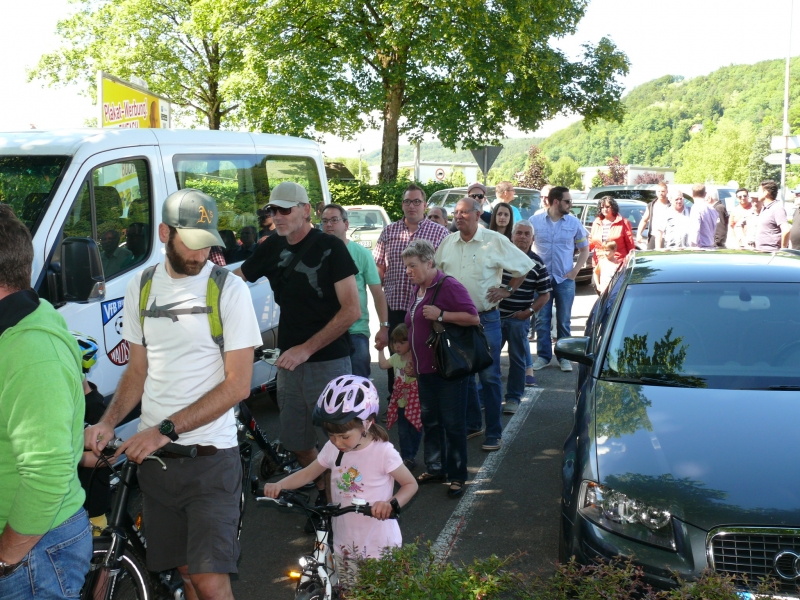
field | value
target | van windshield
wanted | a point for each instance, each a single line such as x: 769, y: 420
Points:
x: 27, y: 183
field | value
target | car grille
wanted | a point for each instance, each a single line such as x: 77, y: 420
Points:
x: 752, y: 552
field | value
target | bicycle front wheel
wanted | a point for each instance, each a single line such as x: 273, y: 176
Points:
x: 130, y: 581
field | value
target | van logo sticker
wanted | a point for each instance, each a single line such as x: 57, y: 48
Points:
x: 117, y: 349
x: 205, y: 216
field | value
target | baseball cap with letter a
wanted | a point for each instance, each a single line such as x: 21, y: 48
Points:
x: 195, y: 216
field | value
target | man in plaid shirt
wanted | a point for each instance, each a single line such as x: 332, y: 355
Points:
x: 392, y: 242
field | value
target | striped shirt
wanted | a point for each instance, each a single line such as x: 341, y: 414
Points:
x: 387, y: 254
x: 537, y: 282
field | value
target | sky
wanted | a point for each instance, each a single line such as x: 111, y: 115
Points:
x: 660, y: 37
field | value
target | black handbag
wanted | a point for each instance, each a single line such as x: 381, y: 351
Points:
x: 458, y: 350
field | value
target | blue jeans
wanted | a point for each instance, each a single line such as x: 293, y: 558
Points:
x: 515, y: 332
x: 56, y: 566
x: 491, y: 390
x: 409, y: 436
x: 563, y: 294
x: 359, y: 358
x: 443, y: 405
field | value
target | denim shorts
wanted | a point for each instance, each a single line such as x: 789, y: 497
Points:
x: 56, y: 566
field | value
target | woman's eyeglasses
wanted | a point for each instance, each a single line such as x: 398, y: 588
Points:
x: 271, y: 210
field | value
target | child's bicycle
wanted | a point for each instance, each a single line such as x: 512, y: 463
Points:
x: 317, y: 578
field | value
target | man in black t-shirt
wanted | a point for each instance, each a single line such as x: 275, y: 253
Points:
x: 313, y: 279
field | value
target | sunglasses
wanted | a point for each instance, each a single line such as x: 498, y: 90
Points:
x: 476, y: 196
x: 271, y: 210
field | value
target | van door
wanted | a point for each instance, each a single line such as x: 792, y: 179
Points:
x: 112, y: 200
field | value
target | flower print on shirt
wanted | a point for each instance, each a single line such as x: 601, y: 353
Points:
x: 349, y: 480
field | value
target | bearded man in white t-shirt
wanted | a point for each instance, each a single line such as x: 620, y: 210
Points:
x: 188, y: 387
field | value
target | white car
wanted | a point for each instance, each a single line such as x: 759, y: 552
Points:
x: 366, y: 223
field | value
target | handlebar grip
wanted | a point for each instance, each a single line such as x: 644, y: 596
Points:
x: 190, y: 451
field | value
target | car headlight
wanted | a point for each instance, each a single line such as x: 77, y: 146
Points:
x: 626, y: 516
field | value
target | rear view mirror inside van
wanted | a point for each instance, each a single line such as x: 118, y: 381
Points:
x: 81, y: 270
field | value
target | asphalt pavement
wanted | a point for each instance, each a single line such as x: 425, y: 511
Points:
x: 510, y: 506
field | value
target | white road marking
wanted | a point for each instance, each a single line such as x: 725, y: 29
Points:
x: 448, y: 537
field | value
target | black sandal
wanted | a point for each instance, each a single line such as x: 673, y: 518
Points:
x: 456, y: 489
x: 426, y: 477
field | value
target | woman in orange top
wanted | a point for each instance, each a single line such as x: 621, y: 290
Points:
x: 611, y: 227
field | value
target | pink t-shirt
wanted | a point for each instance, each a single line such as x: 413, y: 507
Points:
x: 365, y: 474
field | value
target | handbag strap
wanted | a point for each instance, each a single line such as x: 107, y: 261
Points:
x: 436, y: 291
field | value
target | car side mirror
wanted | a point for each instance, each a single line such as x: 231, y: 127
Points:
x: 82, y: 278
x: 575, y: 349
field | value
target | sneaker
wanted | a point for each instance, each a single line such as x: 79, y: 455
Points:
x: 540, y: 363
x: 474, y: 434
x: 530, y: 381
x: 565, y: 364
x: 491, y: 444
x: 509, y: 408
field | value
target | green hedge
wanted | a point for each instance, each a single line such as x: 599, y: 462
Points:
x: 387, y: 195
x: 412, y: 573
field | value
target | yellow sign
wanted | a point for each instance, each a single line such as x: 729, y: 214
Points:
x: 124, y: 104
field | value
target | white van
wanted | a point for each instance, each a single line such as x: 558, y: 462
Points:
x: 92, y: 201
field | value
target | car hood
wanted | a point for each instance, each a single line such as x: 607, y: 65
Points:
x: 711, y: 457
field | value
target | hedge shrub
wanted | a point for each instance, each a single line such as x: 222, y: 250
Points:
x: 387, y: 195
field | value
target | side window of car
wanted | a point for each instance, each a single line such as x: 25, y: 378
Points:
x: 605, y: 306
x: 113, y: 207
x: 240, y: 186
x: 300, y: 169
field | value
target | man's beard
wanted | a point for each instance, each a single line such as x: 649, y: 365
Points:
x: 179, y: 264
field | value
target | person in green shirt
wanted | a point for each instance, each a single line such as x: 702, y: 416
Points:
x: 334, y: 222
x: 46, y: 543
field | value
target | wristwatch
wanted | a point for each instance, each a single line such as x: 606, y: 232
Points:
x: 510, y: 288
x: 9, y: 568
x: 395, y: 505
x: 385, y: 324
x: 440, y: 318
x: 167, y: 428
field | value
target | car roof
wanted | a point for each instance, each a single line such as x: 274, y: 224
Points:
x: 689, y: 266
x: 489, y: 188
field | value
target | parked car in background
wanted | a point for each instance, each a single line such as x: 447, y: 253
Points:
x: 526, y: 200
x: 687, y: 394
x: 726, y: 194
x: 366, y: 223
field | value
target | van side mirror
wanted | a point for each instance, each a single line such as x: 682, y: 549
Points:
x: 575, y: 349
x: 82, y: 277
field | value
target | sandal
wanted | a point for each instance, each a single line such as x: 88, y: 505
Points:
x: 456, y: 489
x: 426, y: 477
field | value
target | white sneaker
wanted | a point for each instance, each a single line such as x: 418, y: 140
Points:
x: 540, y: 363
x: 565, y: 364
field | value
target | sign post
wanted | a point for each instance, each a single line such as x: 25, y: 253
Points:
x: 485, y: 157
x: 125, y: 104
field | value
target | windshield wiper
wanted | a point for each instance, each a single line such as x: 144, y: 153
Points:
x: 663, y: 380
x: 790, y: 388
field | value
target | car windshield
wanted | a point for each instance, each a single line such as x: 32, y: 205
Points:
x: 632, y: 212
x: 27, y: 184
x: 714, y: 335
x: 365, y: 218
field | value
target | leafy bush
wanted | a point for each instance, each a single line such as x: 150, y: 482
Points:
x: 413, y: 573
x: 387, y: 195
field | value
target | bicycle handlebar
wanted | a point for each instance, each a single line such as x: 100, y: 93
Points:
x: 289, y: 498
x: 188, y: 451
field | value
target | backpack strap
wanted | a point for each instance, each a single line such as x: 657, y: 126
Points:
x: 145, y: 284
x: 216, y: 283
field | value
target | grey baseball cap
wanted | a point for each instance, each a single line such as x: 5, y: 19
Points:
x: 287, y: 195
x: 195, y: 215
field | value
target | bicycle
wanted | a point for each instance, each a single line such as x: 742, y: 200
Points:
x: 317, y: 578
x: 118, y: 570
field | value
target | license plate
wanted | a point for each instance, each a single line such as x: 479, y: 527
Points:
x: 366, y: 243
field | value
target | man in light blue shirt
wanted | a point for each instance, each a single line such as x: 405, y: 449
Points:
x: 556, y: 235
x: 703, y: 219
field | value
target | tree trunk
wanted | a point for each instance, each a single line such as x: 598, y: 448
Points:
x: 390, y: 151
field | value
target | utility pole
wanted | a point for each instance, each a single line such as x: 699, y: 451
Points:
x: 786, y: 131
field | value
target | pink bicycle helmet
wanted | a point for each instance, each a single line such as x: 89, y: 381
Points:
x: 346, y: 398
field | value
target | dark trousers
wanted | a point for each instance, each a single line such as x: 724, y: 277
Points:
x: 409, y: 436
x: 396, y: 317
x: 444, y: 422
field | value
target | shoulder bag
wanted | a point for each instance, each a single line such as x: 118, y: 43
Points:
x: 458, y: 350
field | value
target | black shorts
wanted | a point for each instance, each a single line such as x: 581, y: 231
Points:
x: 191, y: 512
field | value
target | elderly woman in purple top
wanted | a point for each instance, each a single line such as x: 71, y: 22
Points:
x: 443, y: 403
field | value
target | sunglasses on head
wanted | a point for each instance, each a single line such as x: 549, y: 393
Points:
x: 476, y: 196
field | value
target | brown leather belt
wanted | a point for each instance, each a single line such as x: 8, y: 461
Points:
x: 201, y: 451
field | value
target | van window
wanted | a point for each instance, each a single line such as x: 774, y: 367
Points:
x: 241, y: 184
x: 27, y: 183
x: 113, y: 208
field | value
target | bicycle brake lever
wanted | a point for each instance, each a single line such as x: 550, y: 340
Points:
x: 163, y: 466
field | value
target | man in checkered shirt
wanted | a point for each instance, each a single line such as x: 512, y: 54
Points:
x: 392, y: 242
